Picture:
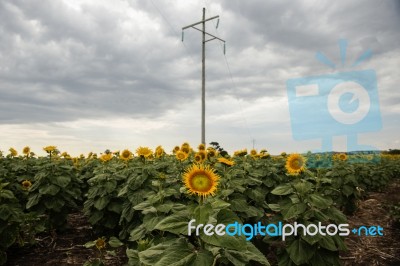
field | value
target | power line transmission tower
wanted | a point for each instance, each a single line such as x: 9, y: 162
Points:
x: 203, y: 66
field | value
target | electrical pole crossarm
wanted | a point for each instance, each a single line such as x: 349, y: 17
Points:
x: 194, y: 24
x: 214, y: 37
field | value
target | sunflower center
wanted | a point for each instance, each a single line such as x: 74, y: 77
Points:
x: 201, y: 182
x: 296, y: 164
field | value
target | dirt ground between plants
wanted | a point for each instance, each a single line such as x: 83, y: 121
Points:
x: 67, y: 248
x: 379, y: 250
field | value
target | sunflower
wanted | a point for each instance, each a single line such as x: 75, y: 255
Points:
x: 13, y: 152
x: 295, y: 164
x: 26, y: 184
x: 100, y: 243
x: 185, y: 147
x: 253, y: 152
x: 26, y: 150
x: 181, y: 156
x: 176, y: 149
x: 144, y: 152
x: 201, y: 147
x: 197, y: 158
x: 211, y: 152
x: 126, y: 155
x: 159, y: 151
x: 226, y: 161
x: 240, y: 152
x: 201, y: 180
x: 203, y: 154
x: 342, y: 156
x: 49, y: 149
x: 106, y: 157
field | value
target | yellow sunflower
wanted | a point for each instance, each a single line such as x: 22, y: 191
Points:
x: 240, y: 152
x: 197, y: 158
x: 13, y: 152
x: 211, y: 152
x: 106, y: 157
x: 26, y: 184
x: 253, y: 152
x: 201, y: 147
x: 176, y: 149
x: 26, y: 150
x: 185, y: 147
x: 144, y: 152
x: 159, y: 151
x: 49, y: 149
x: 203, y: 154
x: 295, y: 164
x: 342, y: 156
x: 201, y: 180
x: 126, y: 155
x: 181, y: 156
x: 226, y: 161
x: 100, y: 243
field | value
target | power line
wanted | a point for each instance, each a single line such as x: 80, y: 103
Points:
x: 232, y: 80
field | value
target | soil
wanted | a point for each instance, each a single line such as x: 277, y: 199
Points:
x: 375, y: 250
x: 67, y: 248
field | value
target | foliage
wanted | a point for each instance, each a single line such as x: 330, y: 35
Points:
x: 144, y: 201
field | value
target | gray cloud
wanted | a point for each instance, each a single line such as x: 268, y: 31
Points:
x: 66, y: 61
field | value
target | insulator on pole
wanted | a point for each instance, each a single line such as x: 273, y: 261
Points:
x: 182, y: 36
x: 217, y: 24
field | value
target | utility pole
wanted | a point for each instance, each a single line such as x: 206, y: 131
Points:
x: 203, y: 66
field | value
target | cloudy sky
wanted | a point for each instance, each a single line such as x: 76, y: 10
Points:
x: 87, y: 75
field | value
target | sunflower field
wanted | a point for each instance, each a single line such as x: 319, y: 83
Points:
x: 144, y: 200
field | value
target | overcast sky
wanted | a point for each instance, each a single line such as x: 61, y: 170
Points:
x: 90, y: 75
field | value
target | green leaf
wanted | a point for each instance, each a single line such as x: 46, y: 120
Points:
x: 239, y: 205
x: 225, y: 241
x: 33, y: 200
x: 303, y: 187
x: 202, y: 213
x: 101, y: 203
x: 95, y: 217
x: 176, y: 223
x: 219, y: 204
x: 274, y: 207
x: 328, y: 243
x: 110, y: 185
x: 282, y: 190
x: 6, y: 194
x: 203, y: 258
x: 152, y: 255
x: 320, y: 201
x: 115, y: 242
x: 300, y: 252
x: 61, y: 181
x: 115, y: 207
x: 54, y: 204
x: 49, y: 189
x: 138, y: 233
x: 151, y: 220
x: 90, y: 244
x: 254, y: 254
x: 347, y: 190
x: 293, y: 210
